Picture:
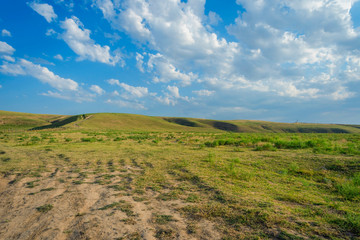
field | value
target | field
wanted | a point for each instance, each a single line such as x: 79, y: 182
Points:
x: 171, y: 179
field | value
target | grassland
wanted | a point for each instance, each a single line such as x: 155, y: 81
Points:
x: 177, y: 179
x: 131, y: 122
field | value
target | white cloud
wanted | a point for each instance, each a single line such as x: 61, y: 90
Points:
x: 278, y: 50
x: 290, y: 90
x: 127, y: 104
x: 166, y: 72
x: 113, y: 82
x: 130, y: 95
x: 5, y: 33
x: 280, y: 46
x: 78, y: 39
x: 24, y: 67
x: 66, y: 89
x: 214, y: 18
x: 12, y: 69
x: 107, y: 7
x: 78, y: 96
x: 59, y: 57
x: 8, y: 58
x: 115, y: 93
x: 0, y: 86
x: 114, y: 37
x: 140, y: 62
x: 138, y: 92
x: 6, y: 48
x: 175, y: 30
x: 174, y: 91
x: 166, y: 100
x: 46, y: 76
x: 50, y: 32
x: 204, y: 92
x: 44, y: 10
x: 171, y: 97
x: 342, y: 93
x: 131, y: 91
x: 352, y: 71
x: 97, y: 89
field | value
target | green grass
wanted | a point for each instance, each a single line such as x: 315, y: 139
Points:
x: 249, y: 185
x: 129, y: 122
x: 162, y: 219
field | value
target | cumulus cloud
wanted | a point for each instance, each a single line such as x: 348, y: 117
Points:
x: 342, y: 93
x: 174, y: 29
x: 65, y: 88
x: 8, y: 58
x: 113, y: 82
x: 115, y: 93
x: 50, y: 32
x: 137, y: 92
x: 78, y: 39
x: 282, y: 47
x: 44, y: 10
x: 130, y: 91
x: 5, y: 33
x: 174, y: 91
x: 59, y: 57
x: 96, y: 89
x: 130, y: 96
x: 171, y: 96
x: 25, y: 67
x: 6, y: 49
x: 166, y: 72
x: 140, y: 62
x: 214, y: 18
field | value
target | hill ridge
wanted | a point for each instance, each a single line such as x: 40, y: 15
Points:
x: 135, y: 122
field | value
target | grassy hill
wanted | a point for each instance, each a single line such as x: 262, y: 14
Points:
x: 132, y: 122
x: 16, y: 120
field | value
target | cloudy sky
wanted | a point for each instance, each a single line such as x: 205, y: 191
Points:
x: 276, y: 60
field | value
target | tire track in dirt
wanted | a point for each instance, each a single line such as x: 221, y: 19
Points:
x: 86, y: 205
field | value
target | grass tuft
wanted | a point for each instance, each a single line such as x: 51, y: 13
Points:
x: 45, y: 208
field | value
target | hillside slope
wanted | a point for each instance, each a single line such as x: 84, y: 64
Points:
x: 133, y: 122
x: 16, y: 120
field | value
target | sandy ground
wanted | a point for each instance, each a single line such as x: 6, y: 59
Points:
x: 84, y: 209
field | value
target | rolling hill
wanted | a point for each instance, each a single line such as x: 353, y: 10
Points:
x: 133, y: 122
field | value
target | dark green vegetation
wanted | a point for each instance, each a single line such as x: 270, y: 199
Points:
x: 249, y: 185
x: 45, y: 208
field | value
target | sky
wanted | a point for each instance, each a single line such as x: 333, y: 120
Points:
x: 273, y: 60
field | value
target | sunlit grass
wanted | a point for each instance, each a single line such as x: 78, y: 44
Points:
x: 248, y: 184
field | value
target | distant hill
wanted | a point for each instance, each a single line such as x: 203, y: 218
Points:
x: 16, y: 120
x: 133, y: 122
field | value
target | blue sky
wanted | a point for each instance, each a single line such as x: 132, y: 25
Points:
x: 276, y: 60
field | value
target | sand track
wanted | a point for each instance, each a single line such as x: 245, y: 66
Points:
x: 83, y: 207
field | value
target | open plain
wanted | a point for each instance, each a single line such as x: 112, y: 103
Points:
x: 115, y: 176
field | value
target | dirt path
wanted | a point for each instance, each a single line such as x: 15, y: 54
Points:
x: 65, y: 204
x: 77, y: 124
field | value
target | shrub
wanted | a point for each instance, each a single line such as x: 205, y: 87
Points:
x: 35, y: 139
x: 88, y: 139
x: 5, y: 159
x: 45, y: 208
x: 265, y: 147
